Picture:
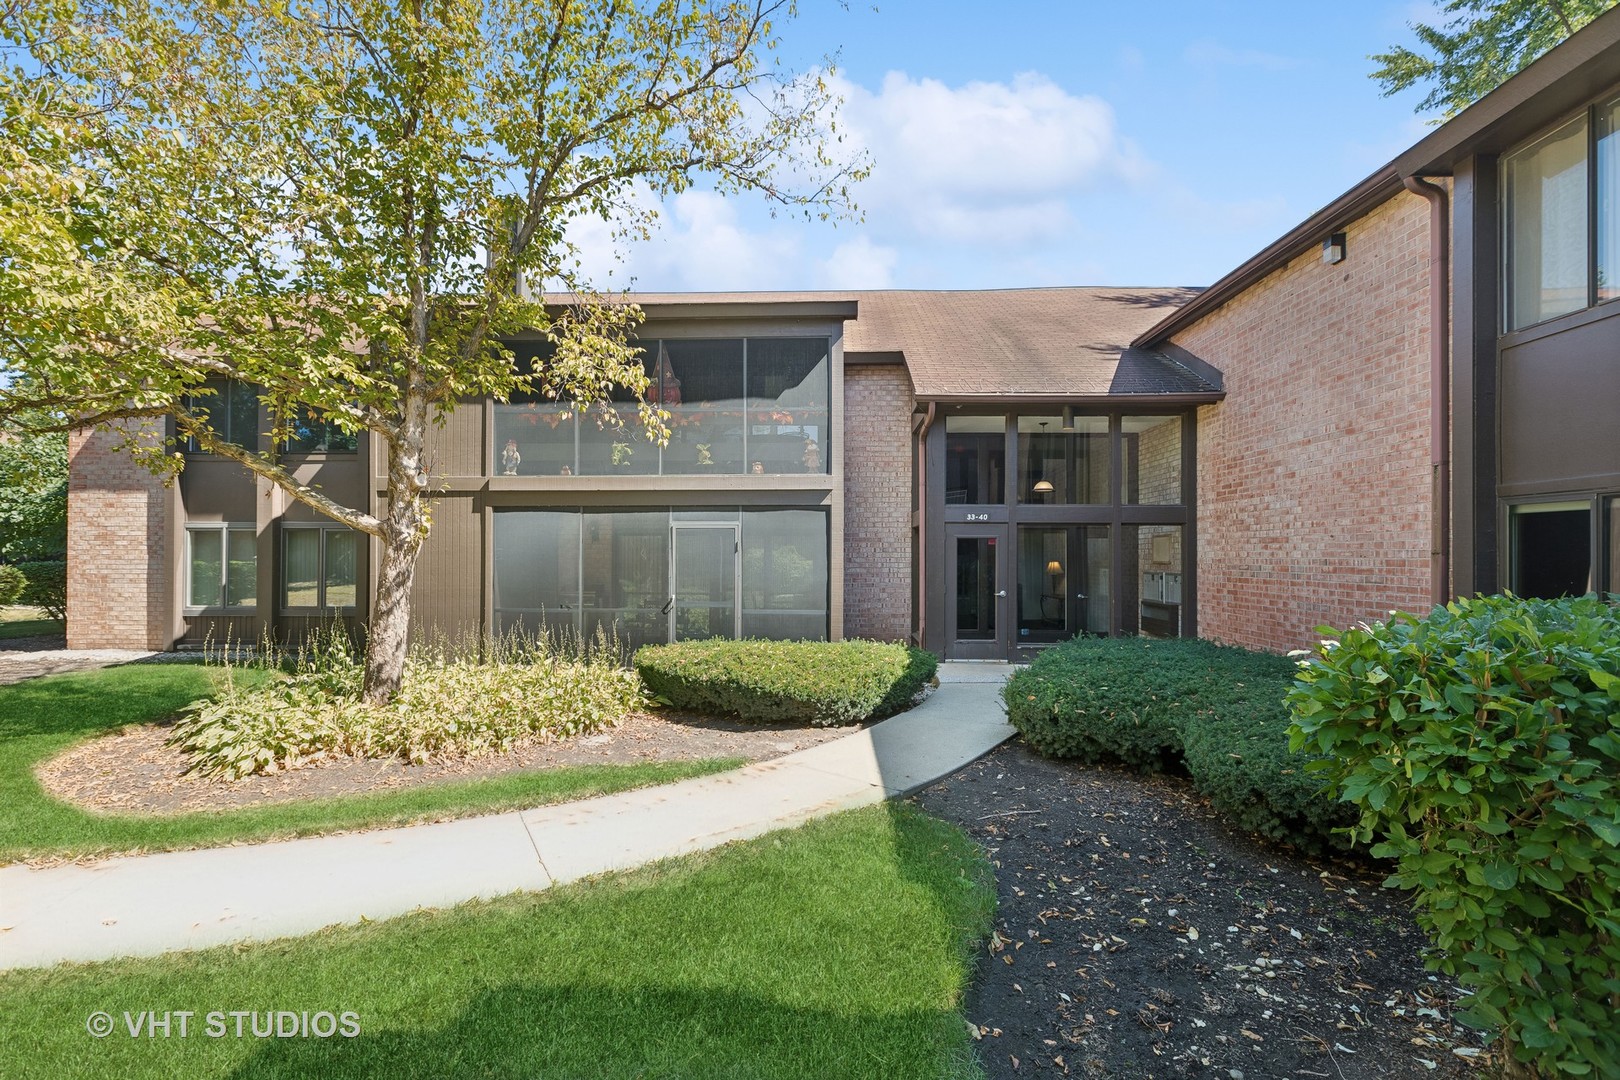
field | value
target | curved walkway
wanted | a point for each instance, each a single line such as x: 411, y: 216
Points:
x: 148, y: 904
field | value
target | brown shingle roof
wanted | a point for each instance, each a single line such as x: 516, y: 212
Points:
x: 1066, y: 342
x: 1056, y: 342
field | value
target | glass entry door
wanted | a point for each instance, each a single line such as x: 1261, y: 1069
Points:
x: 976, y: 609
x: 703, y: 582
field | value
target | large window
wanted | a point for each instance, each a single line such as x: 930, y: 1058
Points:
x: 311, y: 432
x: 222, y: 566
x: 319, y: 568
x: 736, y: 406
x: 1062, y: 582
x: 1559, y: 255
x: 1151, y: 447
x: 1550, y: 549
x: 643, y: 575
x: 975, y: 458
x: 1058, y: 466
x: 231, y: 409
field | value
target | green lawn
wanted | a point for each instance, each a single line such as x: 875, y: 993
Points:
x: 41, y: 717
x: 17, y: 622
x: 840, y: 949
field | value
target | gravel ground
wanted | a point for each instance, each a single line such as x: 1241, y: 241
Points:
x: 1140, y: 936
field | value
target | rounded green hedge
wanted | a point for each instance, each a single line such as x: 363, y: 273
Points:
x: 1481, y: 745
x: 1215, y: 710
x: 804, y: 682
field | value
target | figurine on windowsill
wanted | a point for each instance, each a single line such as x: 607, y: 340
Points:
x: 705, y: 457
x: 510, y: 458
x: 812, y: 456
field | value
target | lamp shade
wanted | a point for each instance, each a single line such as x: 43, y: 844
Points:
x: 1042, y: 487
x: 1054, y: 567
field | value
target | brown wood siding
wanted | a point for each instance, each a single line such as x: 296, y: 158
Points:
x: 448, y: 594
x: 213, y: 489
x: 220, y: 630
x: 342, y: 476
x: 1559, y: 393
x: 457, y: 448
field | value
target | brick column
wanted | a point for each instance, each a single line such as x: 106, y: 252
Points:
x: 877, y: 502
x: 120, y: 591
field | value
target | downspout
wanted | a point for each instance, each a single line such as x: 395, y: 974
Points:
x: 922, y: 520
x: 1439, y: 381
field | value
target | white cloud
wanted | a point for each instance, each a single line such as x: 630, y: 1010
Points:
x: 698, y: 244
x: 858, y: 264
x: 986, y: 163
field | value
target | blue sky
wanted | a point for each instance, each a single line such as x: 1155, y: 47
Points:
x: 1032, y: 142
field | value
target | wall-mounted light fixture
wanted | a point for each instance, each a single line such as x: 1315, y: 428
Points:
x: 1333, y: 249
x: 1068, y: 418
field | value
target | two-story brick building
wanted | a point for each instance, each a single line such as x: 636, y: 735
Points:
x: 1409, y: 396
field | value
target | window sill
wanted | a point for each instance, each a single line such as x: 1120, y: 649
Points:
x: 1559, y: 323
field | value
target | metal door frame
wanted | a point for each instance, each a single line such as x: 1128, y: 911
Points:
x: 735, y: 528
x: 998, y: 647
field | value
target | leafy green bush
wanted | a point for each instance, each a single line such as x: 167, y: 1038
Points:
x: 12, y: 584
x: 449, y: 705
x: 805, y: 682
x: 1214, y: 709
x: 1480, y: 744
x: 46, y: 586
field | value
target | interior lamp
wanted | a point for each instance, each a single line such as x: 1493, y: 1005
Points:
x: 1054, y: 568
x: 1043, y: 487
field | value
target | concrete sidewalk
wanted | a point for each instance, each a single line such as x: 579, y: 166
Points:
x: 149, y: 904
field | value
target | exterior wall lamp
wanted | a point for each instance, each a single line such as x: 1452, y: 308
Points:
x: 1068, y: 418
x: 1333, y: 249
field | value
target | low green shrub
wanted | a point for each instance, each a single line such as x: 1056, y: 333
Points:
x: 46, y: 586
x: 1480, y: 745
x: 450, y: 705
x: 1215, y: 710
x: 805, y: 682
x: 12, y: 583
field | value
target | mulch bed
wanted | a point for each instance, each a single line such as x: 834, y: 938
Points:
x: 132, y: 772
x: 1140, y: 936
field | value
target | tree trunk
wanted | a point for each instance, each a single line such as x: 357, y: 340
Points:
x: 405, y: 525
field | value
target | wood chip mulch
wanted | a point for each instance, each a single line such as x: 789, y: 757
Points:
x: 130, y: 771
x: 1141, y: 936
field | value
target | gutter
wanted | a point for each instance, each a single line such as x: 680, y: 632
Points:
x: 922, y: 520
x: 1439, y: 383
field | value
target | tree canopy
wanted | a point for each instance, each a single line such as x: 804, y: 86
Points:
x: 334, y: 201
x: 1479, y: 46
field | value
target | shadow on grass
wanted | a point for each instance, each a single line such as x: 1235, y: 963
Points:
x: 809, y: 1021
x: 539, y: 1030
x: 85, y: 703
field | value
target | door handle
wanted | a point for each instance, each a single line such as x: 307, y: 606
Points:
x: 667, y: 605
x: 1003, y: 592
x: 1079, y: 596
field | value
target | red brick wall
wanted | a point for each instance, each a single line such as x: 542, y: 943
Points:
x: 119, y: 589
x: 877, y: 502
x: 1313, y: 474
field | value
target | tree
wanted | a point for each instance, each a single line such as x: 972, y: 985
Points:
x: 1481, y: 45
x: 332, y: 200
x: 33, y: 493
